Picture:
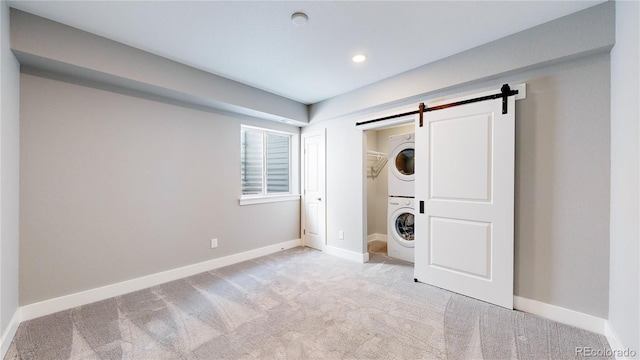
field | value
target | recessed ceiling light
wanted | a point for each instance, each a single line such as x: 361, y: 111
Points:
x: 299, y: 18
x: 359, y: 58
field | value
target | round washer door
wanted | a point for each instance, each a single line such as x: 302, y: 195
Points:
x: 401, y: 226
x: 403, y: 161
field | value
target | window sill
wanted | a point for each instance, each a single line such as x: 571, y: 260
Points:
x: 268, y: 199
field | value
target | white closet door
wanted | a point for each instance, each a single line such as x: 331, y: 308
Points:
x: 465, y: 176
x: 313, y: 203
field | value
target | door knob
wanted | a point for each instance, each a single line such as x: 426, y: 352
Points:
x: 319, y: 199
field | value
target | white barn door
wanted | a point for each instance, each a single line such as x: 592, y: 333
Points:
x: 465, y: 177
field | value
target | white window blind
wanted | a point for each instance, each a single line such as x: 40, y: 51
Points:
x: 265, y: 162
x: 277, y: 163
x: 251, y: 157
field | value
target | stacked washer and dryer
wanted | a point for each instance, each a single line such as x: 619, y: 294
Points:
x: 401, y: 209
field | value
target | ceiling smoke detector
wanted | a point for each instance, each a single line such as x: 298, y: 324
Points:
x: 299, y: 18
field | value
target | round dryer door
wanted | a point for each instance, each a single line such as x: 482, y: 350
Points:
x: 401, y: 226
x: 403, y: 161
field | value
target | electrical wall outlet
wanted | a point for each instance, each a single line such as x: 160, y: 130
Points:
x: 214, y: 243
x: 341, y: 235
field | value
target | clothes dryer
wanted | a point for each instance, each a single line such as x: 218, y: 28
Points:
x: 400, y: 235
x: 401, y: 165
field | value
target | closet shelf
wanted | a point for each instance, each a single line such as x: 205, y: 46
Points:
x: 379, y: 160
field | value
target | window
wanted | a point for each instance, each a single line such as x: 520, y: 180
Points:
x: 266, y: 163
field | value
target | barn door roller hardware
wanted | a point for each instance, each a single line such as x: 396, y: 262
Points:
x: 505, y: 92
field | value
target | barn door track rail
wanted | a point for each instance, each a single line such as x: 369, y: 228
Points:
x: 505, y: 92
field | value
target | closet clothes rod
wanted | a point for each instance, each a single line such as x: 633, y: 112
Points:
x: 505, y: 92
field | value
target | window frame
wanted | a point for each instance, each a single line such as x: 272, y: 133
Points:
x: 294, y: 160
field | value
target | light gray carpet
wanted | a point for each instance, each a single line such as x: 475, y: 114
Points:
x: 297, y: 304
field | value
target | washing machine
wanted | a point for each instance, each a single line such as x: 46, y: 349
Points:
x: 400, y: 228
x: 401, y: 165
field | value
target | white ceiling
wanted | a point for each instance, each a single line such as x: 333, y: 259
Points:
x: 255, y: 42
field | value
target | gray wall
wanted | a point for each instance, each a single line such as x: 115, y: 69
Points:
x: 562, y: 186
x: 9, y: 170
x: 625, y: 179
x: 115, y: 187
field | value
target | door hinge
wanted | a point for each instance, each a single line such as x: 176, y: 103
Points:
x: 304, y: 232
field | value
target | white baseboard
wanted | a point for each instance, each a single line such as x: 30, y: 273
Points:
x: 616, y: 344
x: 51, y: 306
x: 561, y: 315
x: 378, y: 237
x: 347, y: 254
x: 9, y: 333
